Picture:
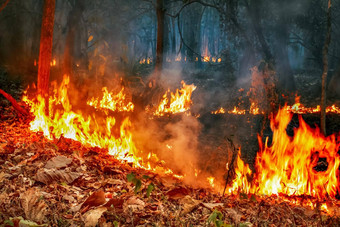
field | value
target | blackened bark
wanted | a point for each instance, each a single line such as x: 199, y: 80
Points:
x: 45, y: 52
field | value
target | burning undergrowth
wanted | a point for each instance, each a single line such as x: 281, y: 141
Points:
x: 169, y: 143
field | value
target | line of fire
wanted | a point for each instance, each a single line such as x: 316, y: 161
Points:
x: 169, y: 113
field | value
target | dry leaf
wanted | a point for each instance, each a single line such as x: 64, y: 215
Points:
x: 48, y: 176
x: 133, y: 204
x: 94, y: 200
x: 91, y: 217
x: 189, y: 204
x: 211, y: 206
x: 34, y: 207
x: 58, y: 162
x: 177, y: 193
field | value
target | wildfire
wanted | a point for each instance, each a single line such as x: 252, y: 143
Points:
x: 219, y: 111
x: 236, y: 110
x: 110, y: 101
x: 178, y: 103
x: 147, y: 61
x: 305, y: 164
x: 299, y: 108
x: 211, y: 181
x: 91, y: 131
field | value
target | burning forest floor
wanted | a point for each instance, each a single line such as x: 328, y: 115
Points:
x: 62, y: 183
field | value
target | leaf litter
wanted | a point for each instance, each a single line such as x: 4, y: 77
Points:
x: 62, y: 183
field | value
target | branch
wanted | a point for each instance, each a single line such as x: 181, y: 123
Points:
x: 16, y: 106
x: 4, y: 5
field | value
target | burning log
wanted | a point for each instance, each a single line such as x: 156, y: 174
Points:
x: 14, y: 103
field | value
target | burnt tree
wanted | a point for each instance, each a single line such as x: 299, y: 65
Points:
x: 45, y: 52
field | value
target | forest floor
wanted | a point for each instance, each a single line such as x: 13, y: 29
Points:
x: 62, y: 183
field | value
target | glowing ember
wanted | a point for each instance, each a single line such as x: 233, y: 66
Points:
x: 110, y: 101
x: 290, y: 165
x: 178, y: 103
x: 90, y: 131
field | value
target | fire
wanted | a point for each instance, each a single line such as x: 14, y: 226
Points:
x: 178, y: 103
x: 91, y: 131
x: 254, y: 109
x: 290, y: 165
x: 53, y: 62
x: 219, y: 111
x: 115, y: 102
x: 147, y: 61
x: 211, y: 181
x: 299, y: 108
x: 236, y: 110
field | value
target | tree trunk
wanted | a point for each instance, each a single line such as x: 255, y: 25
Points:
x: 325, y: 70
x: 254, y: 12
x: 45, y: 52
x: 160, y: 38
x: 72, y: 48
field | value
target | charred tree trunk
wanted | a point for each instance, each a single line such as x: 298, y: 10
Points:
x: 325, y: 70
x: 45, y: 52
x: 160, y: 39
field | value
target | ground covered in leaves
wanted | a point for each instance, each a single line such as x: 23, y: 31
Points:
x: 61, y: 183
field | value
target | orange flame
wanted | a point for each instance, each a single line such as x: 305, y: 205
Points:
x: 288, y: 166
x: 221, y: 110
x: 110, y: 101
x: 90, y: 131
x: 178, y: 103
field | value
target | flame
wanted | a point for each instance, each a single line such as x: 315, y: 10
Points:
x: 288, y: 166
x: 219, y: 111
x: 236, y: 110
x: 110, y: 101
x: 53, y: 62
x: 179, y: 102
x: 145, y: 61
x: 91, y: 131
x: 211, y: 181
x: 299, y: 108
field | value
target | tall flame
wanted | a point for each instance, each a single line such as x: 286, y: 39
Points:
x: 91, y: 131
x: 290, y: 164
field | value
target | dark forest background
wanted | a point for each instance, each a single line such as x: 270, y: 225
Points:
x: 100, y: 38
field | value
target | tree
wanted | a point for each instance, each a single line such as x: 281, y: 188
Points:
x: 45, y: 52
x: 160, y: 37
x: 325, y: 70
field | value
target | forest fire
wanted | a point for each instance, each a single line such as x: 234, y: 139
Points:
x: 115, y: 102
x: 305, y: 164
x: 63, y: 121
x: 179, y: 102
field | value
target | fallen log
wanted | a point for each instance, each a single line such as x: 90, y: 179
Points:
x: 15, y: 105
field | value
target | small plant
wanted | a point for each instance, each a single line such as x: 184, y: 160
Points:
x: 131, y: 177
x: 216, y: 217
